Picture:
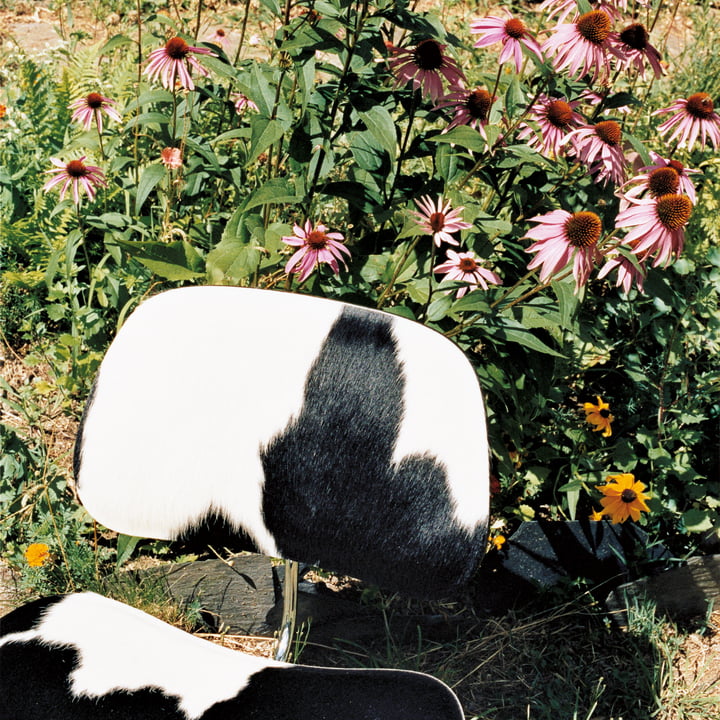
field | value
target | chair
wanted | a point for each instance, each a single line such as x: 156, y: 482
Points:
x: 86, y: 657
x: 344, y: 437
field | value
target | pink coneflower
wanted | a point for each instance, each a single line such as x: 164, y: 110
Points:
x: 599, y: 148
x: 171, y: 158
x: 695, y: 117
x: 218, y: 37
x: 437, y: 219
x: 657, y: 226
x: 464, y: 267
x: 582, y: 46
x: 563, y: 8
x: 77, y: 174
x: 472, y: 107
x: 632, y: 48
x: 423, y: 66
x: 91, y: 107
x: 555, y: 118
x: 563, y: 237
x: 627, y: 272
x: 663, y: 177
x: 174, y: 61
x: 511, y: 32
x: 243, y: 103
x: 316, y: 246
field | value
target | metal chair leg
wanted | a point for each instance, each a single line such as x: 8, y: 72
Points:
x: 287, y: 625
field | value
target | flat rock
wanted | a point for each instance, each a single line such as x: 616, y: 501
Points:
x: 234, y: 596
x: 541, y: 554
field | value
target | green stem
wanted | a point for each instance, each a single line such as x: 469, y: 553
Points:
x: 398, y: 269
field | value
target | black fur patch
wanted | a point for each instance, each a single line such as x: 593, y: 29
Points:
x: 34, y: 686
x: 332, y: 495
x: 306, y: 693
x: 26, y: 617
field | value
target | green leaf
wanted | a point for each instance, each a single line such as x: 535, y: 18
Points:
x: 439, y: 308
x: 464, y: 136
x: 275, y: 190
x: 263, y: 133
x: 382, y: 127
x: 513, y: 331
x: 126, y: 545
x: 150, y: 177
x: 173, y: 261
x: 236, y: 256
x: 114, y: 42
x: 567, y: 301
x: 697, y: 520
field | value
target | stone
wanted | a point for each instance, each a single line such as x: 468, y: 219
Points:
x: 234, y: 596
x: 542, y: 553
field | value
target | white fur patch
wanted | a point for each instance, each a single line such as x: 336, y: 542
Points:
x: 121, y: 648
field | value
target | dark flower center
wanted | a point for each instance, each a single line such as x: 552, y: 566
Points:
x: 478, y: 103
x: 94, y: 100
x: 674, y: 211
x: 677, y: 166
x: 428, y: 55
x: 594, y: 26
x: 635, y: 36
x: 663, y: 181
x: 220, y: 33
x: 604, y: 413
x: 76, y: 169
x: 583, y: 229
x: 628, y: 495
x: 316, y: 239
x: 437, y: 221
x: 559, y: 113
x: 515, y: 28
x: 467, y: 265
x: 177, y: 48
x: 700, y: 106
x: 609, y: 132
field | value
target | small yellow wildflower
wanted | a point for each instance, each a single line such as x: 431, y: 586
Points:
x: 37, y: 554
x: 498, y: 541
x: 624, y: 498
x: 596, y: 516
x: 599, y: 415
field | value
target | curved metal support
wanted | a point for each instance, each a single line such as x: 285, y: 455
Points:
x: 287, y: 625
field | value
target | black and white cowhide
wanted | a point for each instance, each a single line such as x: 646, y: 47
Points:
x: 85, y: 657
x: 327, y: 433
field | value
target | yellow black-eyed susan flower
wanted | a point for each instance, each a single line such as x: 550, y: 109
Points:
x: 624, y: 498
x: 599, y: 415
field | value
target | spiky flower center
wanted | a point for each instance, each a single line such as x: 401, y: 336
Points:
x: 677, y: 166
x: 316, y: 239
x: 428, y: 55
x: 609, y: 132
x: 559, y: 113
x: 76, y: 169
x: 604, y: 413
x: 663, y: 181
x: 594, y: 26
x: 478, y: 103
x: 700, y: 106
x: 220, y: 33
x: 628, y: 495
x: 583, y: 229
x: 635, y: 36
x: 673, y: 211
x: 515, y: 28
x: 437, y: 221
x: 467, y: 265
x: 177, y: 48
x: 94, y: 100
